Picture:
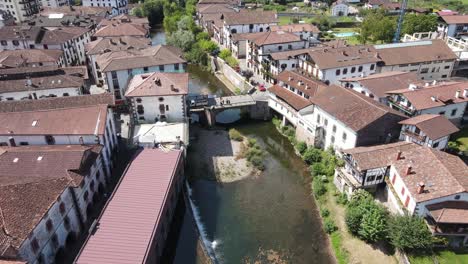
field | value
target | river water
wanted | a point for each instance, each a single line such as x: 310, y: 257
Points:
x: 271, y: 218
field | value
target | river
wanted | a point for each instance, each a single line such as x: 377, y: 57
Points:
x: 271, y: 218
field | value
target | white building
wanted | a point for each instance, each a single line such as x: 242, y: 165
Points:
x: 333, y: 64
x: 330, y: 116
x: 31, y: 58
x: 21, y: 10
x: 428, y: 130
x: 54, y: 3
x: 6, y: 18
x: 47, y: 194
x: 455, y: 26
x: 448, y: 99
x: 158, y: 97
x: 260, y: 45
x: 106, y: 45
x: 246, y: 22
x: 430, y: 59
x: 118, y: 6
x: 422, y: 181
x: 377, y: 85
x: 340, y: 8
x: 118, y: 67
x: 286, y: 60
x: 305, y: 31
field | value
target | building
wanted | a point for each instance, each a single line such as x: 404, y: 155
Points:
x: 89, y: 124
x: 118, y: 6
x: 143, y: 203
x: 246, y: 22
x: 260, y: 45
x: 430, y: 59
x: 158, y: 96
x: 118, y: 67
x: 19, y: 37
x: 93, y: 11
x: 330, y: 116
x: 447, y: 99
x: 104, y: 45
x: 377, y: 85
x: 333, y: 64
x: 286, y: 60
x: 340, y: 8
x: 47, y: 194
x: 428, y: 130
x: 455, y: 26
x: 31, y: 58
x: 390, y: 6
x: 126, y: 29
x: 20, y: 10
x: 40, y: 82
x: 210, y: 15
x: 60, y: 20
x: 6, y: 19
x: 305, y: 31
x: 421, y: 181
x: 54, y: 3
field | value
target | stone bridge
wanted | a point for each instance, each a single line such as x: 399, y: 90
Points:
x: 208, y: 107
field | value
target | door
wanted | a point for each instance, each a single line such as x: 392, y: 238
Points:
x: 162, y: 109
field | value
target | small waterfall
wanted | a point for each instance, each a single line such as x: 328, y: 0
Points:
x: 209, y: 246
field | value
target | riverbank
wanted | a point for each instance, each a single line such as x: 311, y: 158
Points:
x: 218, y: 155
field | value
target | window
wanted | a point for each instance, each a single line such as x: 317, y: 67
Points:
x: 66, y: 94
x: 54, y: 240
x: 233, y: 31
x: 62, y: 208
x: 379, y: 177
x: 435, y: 145
x: 34, y: 245
x: 454, y: 112
x: 280, y: 47
x: 176, y: 66
x: 447, y: 67
x: 290, y: 46
x: 138, y: 100
x: 23, y: 143
x: 444, y: 76
x: 442, y: 113
x: 338, y: 72
x: 161, y: 68
x: 318, y: 118
x: 66, y: 223
x: 50, y: 140
x: 457, y: 197
x: 417, y: 130
x: 85, y: 196
x: 91, y: 185
x: 372, y: 67
x: 370, y: 178
x: 360, y: 69
x: 49, y: 225
x: 402, y: 190
x: 145, y: 69
x: 140, y: 110
x: 325, y: 121
x: 344, y: 136
x: 3, y: 42
x: 345, y: 70
x: 332, y: 139
x: 334, y: 129
x: 15, y: 42
x: 161, y: 99
x: 167, y: 107
x: 353, y: 69
x: 424, y: 70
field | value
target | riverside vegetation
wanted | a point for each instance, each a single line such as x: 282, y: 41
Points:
x: 252, y: 152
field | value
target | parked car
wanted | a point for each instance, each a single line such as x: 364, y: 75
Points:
x: 261, y: 87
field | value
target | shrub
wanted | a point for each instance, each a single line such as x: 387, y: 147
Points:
x: 409, y: 233
x: 224, y: 54
x: 317, y: 169
x: 312, y: 155
x: 202, y: 36
x: 329, y: 226
x: 276, y: 121
x: 353, y: 219
x: 257, y: 162
x: 235, y: 135
x: 251, y: 142
x: 233, y: 62
x: 318, y: 188
x: 252, y: 152
x: 301, y: 147
x: 373, y: 226
x: 342, y: 199
x: 208, y: 45
x: 324, y: 212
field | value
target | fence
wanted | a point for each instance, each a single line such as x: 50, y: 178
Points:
x: 234, y: 77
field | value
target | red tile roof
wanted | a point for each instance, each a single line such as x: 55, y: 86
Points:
x: 434, y: 126
x: 294, y: 100
x: 250, y: 17
x: 296, y: 28
x: 455, y: 19
x: 130, y: 220
x: 449, y: 212
x: 158, y: 84
x: 329, y: 58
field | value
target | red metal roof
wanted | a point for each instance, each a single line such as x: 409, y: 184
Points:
x: 131, y: 216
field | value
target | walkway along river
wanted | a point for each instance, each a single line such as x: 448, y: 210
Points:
x: 269, y: 218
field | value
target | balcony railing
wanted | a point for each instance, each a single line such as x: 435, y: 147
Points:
x: 398, y: 104
x: 414, y: 135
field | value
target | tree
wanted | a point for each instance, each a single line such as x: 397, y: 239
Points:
x: 197, y: 55
x: 312, y: 155
x: 137, y: 11
x: 301, y: 147
x: 224, y: 54
x: 154, y: 10
x: 419, y: 23
x: 208, y: 45
x: 409, y: 233
x: 182, y: 39
x: 202, y: 36
x: 377, y: 27
x: 373, y: 225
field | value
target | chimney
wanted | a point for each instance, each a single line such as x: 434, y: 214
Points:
x: 12, y: 142
x: 434, y: 82
x: 427, y: 84
x: 408, y: 170
x: 290, y: 78
x: 173, y: 88
x: 398, y: 157
x: 158, y: 82
x: 421, y: 186
x: 28, y: 81
x: 433, y: 98
x: 457, y: 94
x: 465, y: 93
x: 412, y: 87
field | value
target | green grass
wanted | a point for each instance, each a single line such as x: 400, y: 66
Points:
x: 461, y: 138
x: 340, y: 253
x: 441, y: 257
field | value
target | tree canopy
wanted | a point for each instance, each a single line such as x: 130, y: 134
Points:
x: 409, y: 233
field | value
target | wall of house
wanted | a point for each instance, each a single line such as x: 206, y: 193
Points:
x: 356, y: 86
x: 118, y: 6
x: 174, y: 108
x: 433, y: 70
x: 332, y: 76
x: 233, y: 29
x: 283, y: 108
x: 340, y: 10
x: 447, y: 110
x: 279, y: 66
x: 267, y: 49
x: 16, y: 96
x: 441, y: 142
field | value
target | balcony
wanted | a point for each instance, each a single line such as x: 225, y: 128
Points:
x: 414, y: 135
x: 348, y: 178
x: 397, y: 104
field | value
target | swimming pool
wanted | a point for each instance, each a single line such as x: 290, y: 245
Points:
x: 345, y: 34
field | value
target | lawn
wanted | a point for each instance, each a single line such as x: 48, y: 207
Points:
x: 441, y: 257
x: 461, y: 138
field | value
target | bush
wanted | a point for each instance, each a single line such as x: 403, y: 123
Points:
x: 252, y: 152
x: 409, y: 233
x: 329, y: 226
x: 202, y: 36
x: 232, y: 62
x: 373, y: 225
x: 208, y: 45
x: 225, y: 53
x: 251, y: 142
x: 312, y: 155
x: 257, y: 162
x: 301, y: 147
x: 324, y: 212
x: 353, y: 219
x: 342, y: 199
x: 235, y: 135
x: 318, y: 188
x: 276, y: 121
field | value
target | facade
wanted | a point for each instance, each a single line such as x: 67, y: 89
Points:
x: 245, y: 22
x: 92, y: 124
x: 134, y: 207
x: 104, y: 45
x: 47, y: 193
x: 286, y: 60
x: 118, y: 6
x: 260, y: 45
x: 122, y: 30
x: 447, y: 99
x: 428, y: 130
x: 54, y: 3
x: 305, y: 31
x: 340, y: 8
x: 31, y: 58
x: 158, y: 97
x: 118, y: 67
x: 20, y: 10
x: 377, y: 85
x: 429, y: 59
x: 6, y: 18
x: 421, y: 181
x: 333, y: 64
x: 330, y: 116
x: 455, y: 26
